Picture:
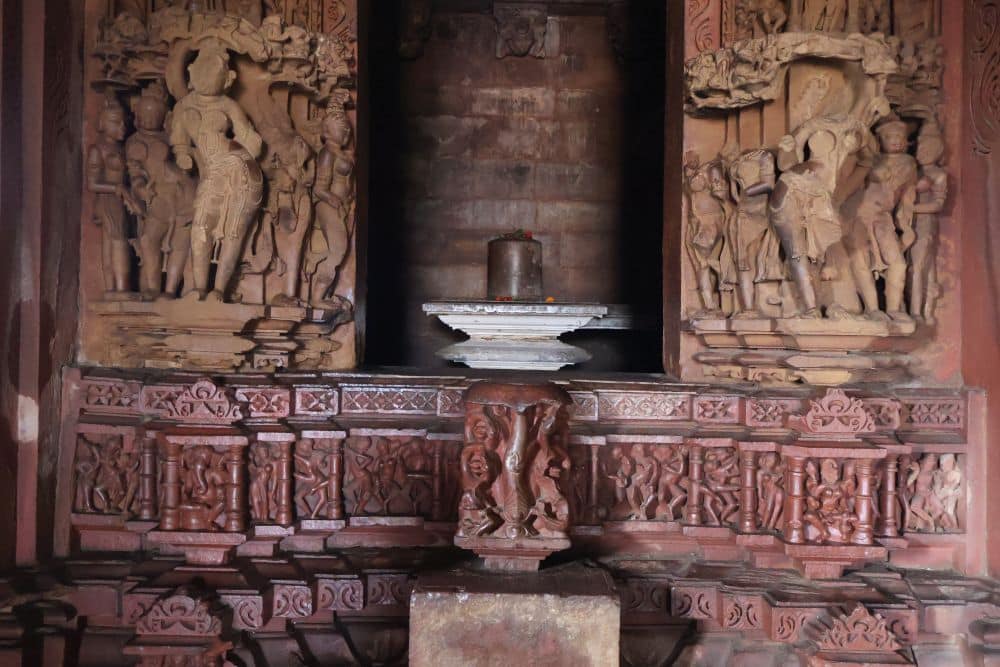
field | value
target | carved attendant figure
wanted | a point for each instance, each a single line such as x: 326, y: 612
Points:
x: 334, y: 192
x: 887, y: 204
x: 162, y: 195
x: 229, y: 192
x: 932, y: 194
x: 948, y: 489
x: 770, y: 490
x: 290, y: 210
x: 709, y: 211
x: 749, y: 235
x: 106, y: 179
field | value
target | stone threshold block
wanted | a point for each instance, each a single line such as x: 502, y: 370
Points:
x: 568, y: 615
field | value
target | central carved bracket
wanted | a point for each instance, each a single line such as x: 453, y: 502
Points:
x: 513, y: 511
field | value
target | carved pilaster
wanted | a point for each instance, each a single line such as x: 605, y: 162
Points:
x: 889, y: 521
x: 693, y: 512
x: 748, y: 491
x: 147, y: 477
x: 795, y: 501
x: 863, y: 503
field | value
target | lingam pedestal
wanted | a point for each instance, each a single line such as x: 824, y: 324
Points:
x: 514, y: 335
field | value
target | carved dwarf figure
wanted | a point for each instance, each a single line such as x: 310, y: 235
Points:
x: 932, y: 194
x: 886, y: 205
x: 334, y: 193
x: 106, y: 179
x: 162, y: 196
x: 753, y: 245
x: 231, y: 184
x: 709, y: 211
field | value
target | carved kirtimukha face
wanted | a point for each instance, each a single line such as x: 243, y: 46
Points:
x: 210, y: 74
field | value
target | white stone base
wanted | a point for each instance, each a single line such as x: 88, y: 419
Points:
x: 512, y: 335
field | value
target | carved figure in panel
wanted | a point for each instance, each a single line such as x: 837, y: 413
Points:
x: 720, y: 487
x: 334, y: 191
x: 313, y: 465
x: 289, y: 213
x: 515, y: 463
x: 264, y: 473
x: 231, y: 183
x: 106, y: 180
x: 827, y: 515
x: 672, y: 486
x: 635, y: 476
x: 755, y: 249
x: 876, y: 16
x: 578, y: 495
x: 883, y: 228
x: 770, y: 479
x: 761, y: 17
x: 162, y: 197
x: 933, y: 490
x: 932, y: 194
x: 107, y: 476
x: 388, y: 476
x: 204, y: 474
x: 521, y: 29
x: 709, y: 211
x: 820, y: 164
x: 820, y: 15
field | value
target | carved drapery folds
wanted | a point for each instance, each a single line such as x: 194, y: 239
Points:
x: 226, y: 217
x: 515, y: 466
x: 821, y: 199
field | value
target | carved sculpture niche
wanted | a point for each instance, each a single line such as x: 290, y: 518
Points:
x: 514, y: 510
x: 226, y: 202
x: 822, y: 201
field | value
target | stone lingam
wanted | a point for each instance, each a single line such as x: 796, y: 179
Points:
x: 514, y: 327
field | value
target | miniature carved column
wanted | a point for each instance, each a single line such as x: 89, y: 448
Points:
x: 234, y: 496
x: 283, y: 488
x: 888, y: 522
x: 795, y: 501
x: 170, y: 505
x: 513, y: 511
x: 335, y: 500
x: 147, y: 477
x: 595, y: 472
x: 863, y: 503
x: 693, y: 513
x: 437, y: 510
x: 748, y: 491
